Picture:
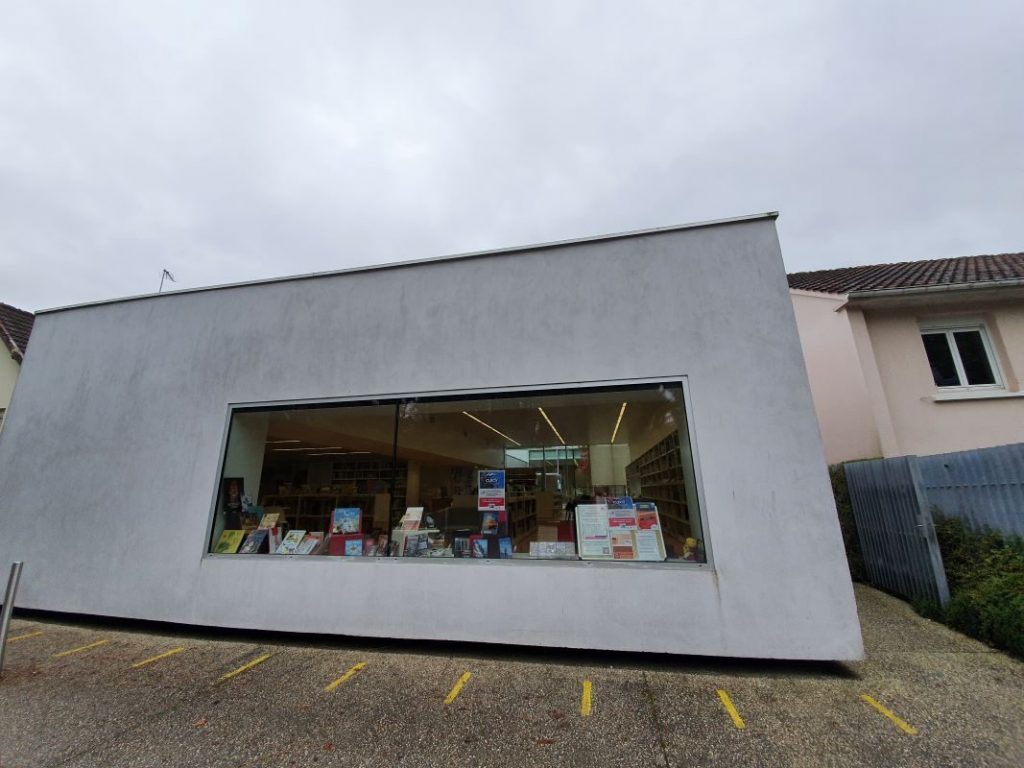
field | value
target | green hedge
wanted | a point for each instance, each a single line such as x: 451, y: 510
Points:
x: 846, y: 522
x: 985, y: 572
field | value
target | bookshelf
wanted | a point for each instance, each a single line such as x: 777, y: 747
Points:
x: 522, y: 517
x: 370, y: 476
x: 312, y: 511
x: 657, y: 475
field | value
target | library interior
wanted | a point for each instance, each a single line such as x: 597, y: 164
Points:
x: 591, y: 473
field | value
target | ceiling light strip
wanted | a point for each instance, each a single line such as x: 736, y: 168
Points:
x: 485, y: 424
x: 557, y: 433
x: 618, y: 421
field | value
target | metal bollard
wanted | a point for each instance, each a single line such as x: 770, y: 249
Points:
x: 5, y: 616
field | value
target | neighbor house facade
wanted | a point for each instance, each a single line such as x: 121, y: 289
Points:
x: 919, y: 357
x: 15, y: 329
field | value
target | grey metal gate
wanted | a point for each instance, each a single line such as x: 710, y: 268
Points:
x: 984, y: 487
x: 895, y: 527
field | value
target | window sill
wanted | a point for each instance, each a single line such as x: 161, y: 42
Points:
x: 632, y: 565
x: 985, y: 394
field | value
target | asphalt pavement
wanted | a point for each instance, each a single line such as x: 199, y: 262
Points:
x: 88, y: 693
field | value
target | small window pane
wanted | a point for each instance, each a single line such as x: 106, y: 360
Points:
x: 940, y: 358
x: 974, y: 357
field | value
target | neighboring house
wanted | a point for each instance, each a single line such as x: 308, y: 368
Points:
x: 15, y: 328
x: 918, y: 357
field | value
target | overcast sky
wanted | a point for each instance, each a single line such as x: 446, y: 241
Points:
x: 236, y: 141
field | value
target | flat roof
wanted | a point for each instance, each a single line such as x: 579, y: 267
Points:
x: 418, y: 262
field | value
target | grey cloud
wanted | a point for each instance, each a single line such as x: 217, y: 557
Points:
x: 236, y: 141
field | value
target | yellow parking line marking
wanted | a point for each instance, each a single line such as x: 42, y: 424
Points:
x: 585, y: 702
x: 454, y: 692
x: 26, y: 636
x: 144, y: 662
x: 727, y: 703
x: 82, y: 648
x: 903, y: 725
x: 353, y: 670
x: 245, y: 667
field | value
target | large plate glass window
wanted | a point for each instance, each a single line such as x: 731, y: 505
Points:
x: 594, y: 473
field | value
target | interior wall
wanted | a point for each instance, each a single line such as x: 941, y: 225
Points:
x: 244, y: 457
x: 608, y: 464
x: 412, y: 484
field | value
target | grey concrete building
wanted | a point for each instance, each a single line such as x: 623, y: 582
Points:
x: 604, y: 443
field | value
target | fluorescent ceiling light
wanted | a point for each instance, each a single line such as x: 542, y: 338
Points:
x: 279, y: 442
x: 551, y: 425
x: 279, y: 450
x: 618, y: 421
x: 342, y: 453
x: 485, y: 424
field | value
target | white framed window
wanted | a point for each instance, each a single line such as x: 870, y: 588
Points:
x: 960, y: 355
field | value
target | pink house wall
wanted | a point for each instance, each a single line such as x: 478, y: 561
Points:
x: 872, y: 385
x: 924, y: 425
x: 841, y: 399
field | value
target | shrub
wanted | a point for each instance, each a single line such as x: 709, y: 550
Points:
x: 847, y: 524
x: 985, y: 572
x: 964, y: 551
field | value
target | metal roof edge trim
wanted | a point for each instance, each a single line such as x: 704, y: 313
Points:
x: 419, y: 262
x: 879, y: 293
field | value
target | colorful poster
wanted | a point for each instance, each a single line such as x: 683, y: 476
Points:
x: 592, y: 532
x: 621, y: 513
x: 491, y: 490
x: 647, y: 516
x: 623, y: 547
x: 489, y: 523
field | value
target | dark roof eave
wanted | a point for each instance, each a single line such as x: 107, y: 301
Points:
x: 878, y: 293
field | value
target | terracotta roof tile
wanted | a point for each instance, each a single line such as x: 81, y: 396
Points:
x: 912, y: 274
x: 15, y: 328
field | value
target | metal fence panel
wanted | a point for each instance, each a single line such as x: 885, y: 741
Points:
x: 984, y: 487
x: 897, y: 537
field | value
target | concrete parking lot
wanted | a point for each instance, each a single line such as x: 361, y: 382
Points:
x: 95, y: 694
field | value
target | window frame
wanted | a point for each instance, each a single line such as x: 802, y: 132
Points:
x: 950, y: 327
x: 393, y: 397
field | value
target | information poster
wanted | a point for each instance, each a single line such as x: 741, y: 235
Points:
x: 491, y: 490
x: 592, y: 532
x: 649, y: 540
x: 621, y: 513
x: 649, y: 546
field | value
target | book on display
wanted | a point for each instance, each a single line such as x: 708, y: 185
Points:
x: 290, y: 542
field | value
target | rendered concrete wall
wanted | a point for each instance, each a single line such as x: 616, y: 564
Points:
x: 109, y: 462
x: 923, y: 425
x: 841, y: 401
